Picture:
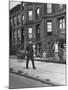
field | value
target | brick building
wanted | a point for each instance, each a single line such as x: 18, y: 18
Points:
x: 43, y: 23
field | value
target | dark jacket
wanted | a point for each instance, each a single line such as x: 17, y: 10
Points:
x: 29, y: 49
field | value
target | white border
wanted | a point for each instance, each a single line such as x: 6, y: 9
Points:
x: 4, y: 43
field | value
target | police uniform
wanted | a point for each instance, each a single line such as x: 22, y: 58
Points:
x: 30, y: 53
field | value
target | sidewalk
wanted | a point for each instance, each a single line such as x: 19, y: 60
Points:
x: 48, y: 72
x: 49, y: 59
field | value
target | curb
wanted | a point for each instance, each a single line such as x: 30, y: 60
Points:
x: 51, y: 61
x: 46, y: 81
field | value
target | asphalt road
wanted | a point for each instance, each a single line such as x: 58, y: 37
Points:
x: 16, y: 82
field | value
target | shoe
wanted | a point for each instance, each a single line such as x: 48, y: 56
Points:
x: 27, y: 68
x: 34, y: 67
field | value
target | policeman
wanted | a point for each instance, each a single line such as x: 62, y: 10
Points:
x: 30, y: 53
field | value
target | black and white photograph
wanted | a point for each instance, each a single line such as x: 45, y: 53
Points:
x: 37, y: 44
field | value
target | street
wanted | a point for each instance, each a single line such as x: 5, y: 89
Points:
x: 16, y: 81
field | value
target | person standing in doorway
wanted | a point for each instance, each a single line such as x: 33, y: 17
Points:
x: 44, y: 56
x: 56, y: 57
x: 30, y: 54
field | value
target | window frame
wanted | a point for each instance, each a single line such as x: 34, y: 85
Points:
x: 49, y: 8
x: 30, y: 16
x: 60, y: 6
x: 18, y: 18
x: 23, y: 4
x: 30, y: 33
x: 11, y: 21
x: 14, y: 20
x: 19, y: 34
x: 23, y: 19
x: 37, y: 14
x: 48, y: 28
x: 15, y: 36
x: 56, y: 47
x: 38, y: 32
x: 38, y: 11
x: 62, y: 25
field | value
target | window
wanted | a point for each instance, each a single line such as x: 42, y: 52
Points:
x: 37, y: 13
x: 56, y: 46
x: 23, y: 4
x: 60, y: 6
x: 38, y: 32
x: 18, y: 19
x: 22, y: 36
x: 49, y: 26
x: 49, y: 8
x: 64, y: 51
x: 38, y: 49
x: 30, y: 32
x: 62, y: 25
x: 30, y: 15
x: 18, y: 37
x: 14, y: 19
x: 15, y: 36
x: 22, y: 19
x: 19, y: 34
x: 11, y: 21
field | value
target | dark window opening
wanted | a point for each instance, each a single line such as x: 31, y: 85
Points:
x: 22, y: 36
x: 38, y: 32
x: 14, y: 20
x: 49, y: 33
x: 18, y: 19
x: 22, y: 19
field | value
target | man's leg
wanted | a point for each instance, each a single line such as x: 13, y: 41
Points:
x: 32, y: 59
x: 27, y: 62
